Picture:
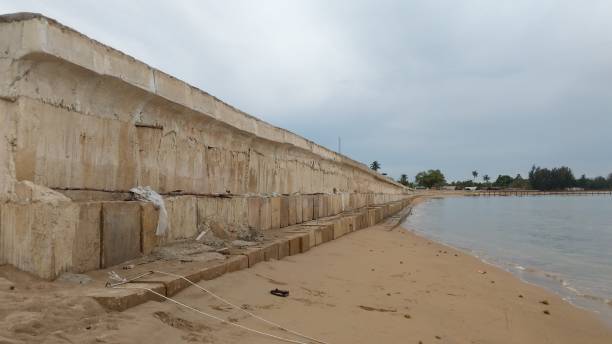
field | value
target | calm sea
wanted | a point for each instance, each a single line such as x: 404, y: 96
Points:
x: 563, y: 243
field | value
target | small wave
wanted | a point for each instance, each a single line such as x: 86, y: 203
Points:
x: 598, y: 299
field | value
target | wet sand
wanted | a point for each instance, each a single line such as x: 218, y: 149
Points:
x: 372, y: 286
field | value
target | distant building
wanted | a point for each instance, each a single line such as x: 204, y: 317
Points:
x: 574, y: 189
x: 471, y: 188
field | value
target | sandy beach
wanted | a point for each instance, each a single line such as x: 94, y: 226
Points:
x: 372, y: 286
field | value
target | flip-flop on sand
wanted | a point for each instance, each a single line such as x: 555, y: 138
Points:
x: 278, y: 292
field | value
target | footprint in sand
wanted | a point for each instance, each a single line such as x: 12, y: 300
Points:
x: 180, y: 323
x: 374, y: 309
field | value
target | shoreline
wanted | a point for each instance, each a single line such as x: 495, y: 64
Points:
x: 549, y: 280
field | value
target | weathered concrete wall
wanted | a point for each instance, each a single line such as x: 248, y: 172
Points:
x: 89, y: 121
x: 90, y: 117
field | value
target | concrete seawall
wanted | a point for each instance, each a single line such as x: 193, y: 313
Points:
x: 83, y: 123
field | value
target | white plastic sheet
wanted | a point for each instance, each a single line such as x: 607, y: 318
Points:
x: 146, y: 194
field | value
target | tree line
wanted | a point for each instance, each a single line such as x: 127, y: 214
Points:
x: 561, y: 178
x: 539, y: 178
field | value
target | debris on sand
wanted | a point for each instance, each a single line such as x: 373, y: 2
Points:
x: 6, y: 285
x: 383, y: 310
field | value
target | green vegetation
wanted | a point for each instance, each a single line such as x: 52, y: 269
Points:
x: 543, y: 179
x: 404, y: 180
x: 558, y: 178
x: 375, y: 165
x: 503, y: 181
x: 431, y: 178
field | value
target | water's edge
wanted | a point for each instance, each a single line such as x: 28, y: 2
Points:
x: 550, y: 281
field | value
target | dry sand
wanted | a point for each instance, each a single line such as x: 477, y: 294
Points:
x: 372, y: 286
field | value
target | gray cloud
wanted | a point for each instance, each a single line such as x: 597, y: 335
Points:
x: 455, y: 85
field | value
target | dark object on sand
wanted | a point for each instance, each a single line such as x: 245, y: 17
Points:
x: 278, y: 292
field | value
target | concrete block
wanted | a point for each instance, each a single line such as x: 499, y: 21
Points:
x: 149, y: 218
x: 371, y: 217
x: 173, y: 284
x: 292, y: 210
x: 39, y: 237
x: 182, y: 217
x: 299, y: 212
x: 275, y: 205
x: 335, y: 201
x: 216, y: 269
x: 339, y: 228
x: 255, y: 255
x: 86, y: 248
x: 349, y: 223
x: 284, y: 211
x: 271, y: 251
x: 317, y: 206
x: 307, y: 205
x: 318, y: 233
x: 305, y: 242
x: 295, y: 245
x: 328, y: 232
x: 379, y: 215
x: 283, y: 248
x: 324, y: 233
x: 265, y: 213
x: 122, y: 299
x: 120, y: 232
x: 254, y: 208
x: 237, y: 262
x: 344, y: 202
x: 324, y: 210
x: 362, y: 220
x: 312, y: 236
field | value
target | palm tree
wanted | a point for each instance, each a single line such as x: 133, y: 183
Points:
x: 403, y: 180
x: 475, y: 174
x: 486, y: 178
x: 375, y: 165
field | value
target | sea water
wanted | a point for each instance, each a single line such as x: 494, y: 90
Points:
x: 563, y: 243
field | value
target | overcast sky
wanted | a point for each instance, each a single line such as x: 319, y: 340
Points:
x: 494, y: 86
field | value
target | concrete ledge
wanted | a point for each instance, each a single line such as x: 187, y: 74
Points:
x: 122, y: 299
x: 237, y: 262
x: 293, y: 240
x: 173, y: 284
x: 255, y: 255
x: 214, y: 271
x: 295, y: 246
x: 283, y: 248
x: 271, y: 251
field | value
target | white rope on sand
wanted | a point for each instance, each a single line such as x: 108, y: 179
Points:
x: 215, y: 317
x: 240, y: 308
